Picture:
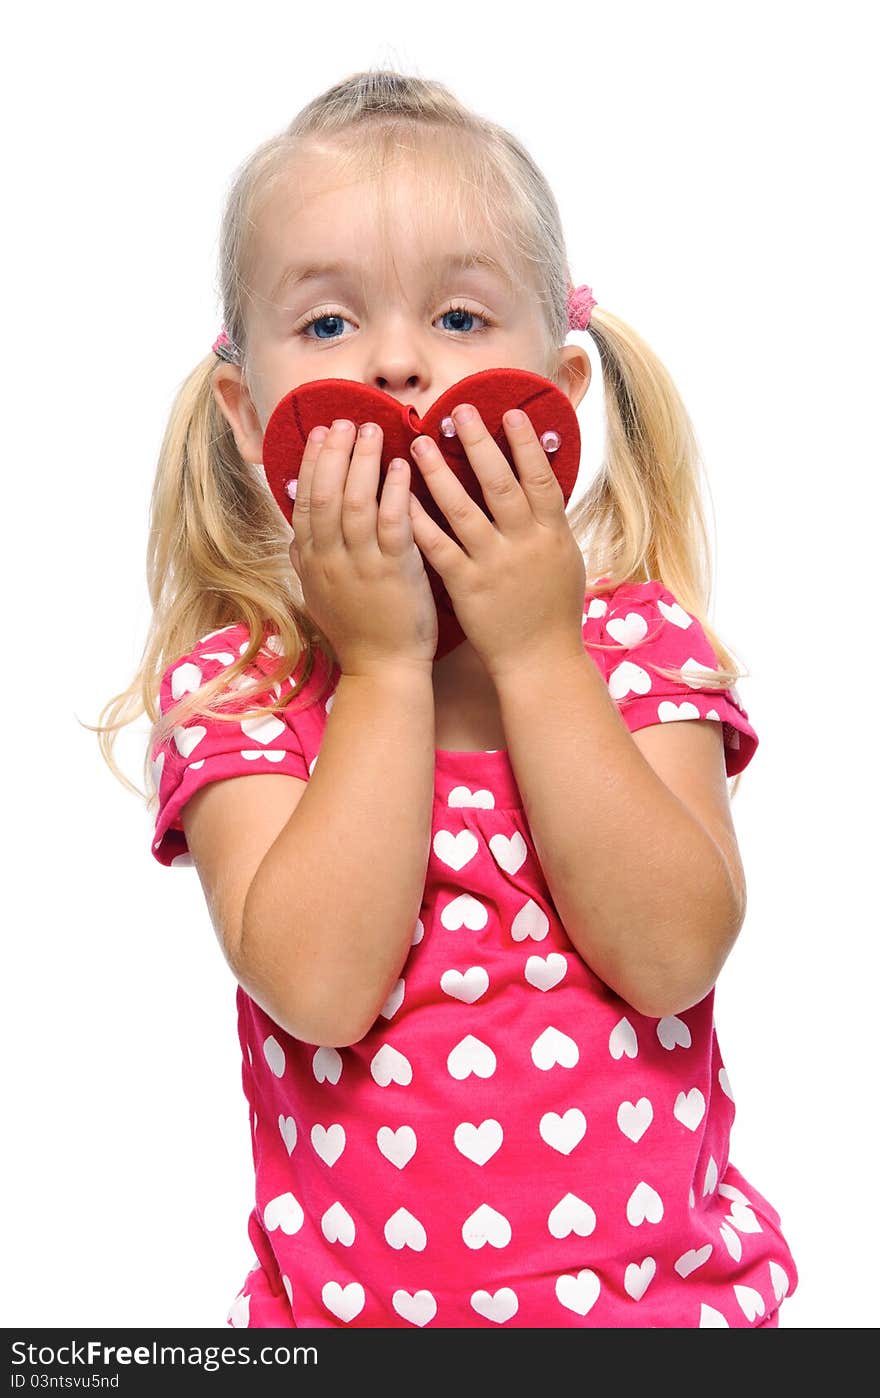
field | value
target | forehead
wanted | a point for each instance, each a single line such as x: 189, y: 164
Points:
x: 408, y: 224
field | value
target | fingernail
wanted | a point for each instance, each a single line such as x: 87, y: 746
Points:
x: 320, y: 434
x: 465, y: 413
x: 342, y: 424
x: 368, y: 429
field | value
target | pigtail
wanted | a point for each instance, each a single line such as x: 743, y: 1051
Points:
x: 643, y: 512
x: 217, y: 554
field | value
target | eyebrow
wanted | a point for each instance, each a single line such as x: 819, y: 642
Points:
x: 296, y: 274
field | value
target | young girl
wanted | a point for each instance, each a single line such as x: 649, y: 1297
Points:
x: 476, y: 899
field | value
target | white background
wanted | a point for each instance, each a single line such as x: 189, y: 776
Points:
x: 715, y: 170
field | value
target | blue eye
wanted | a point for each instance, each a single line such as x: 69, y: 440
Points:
x: 317, y: 320
x: 323, y: 316
x: 468, y: 314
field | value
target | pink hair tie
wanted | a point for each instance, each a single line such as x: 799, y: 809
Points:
x: 580, y: 306
x: 224, y: 348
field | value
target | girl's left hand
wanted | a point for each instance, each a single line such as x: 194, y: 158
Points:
x: 517, y: 585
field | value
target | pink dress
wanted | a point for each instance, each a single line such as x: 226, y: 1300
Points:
x: 511, y: 1144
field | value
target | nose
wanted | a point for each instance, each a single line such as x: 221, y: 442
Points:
x: 398, y: 356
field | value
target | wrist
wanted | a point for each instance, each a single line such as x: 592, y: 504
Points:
x: 393, y: 673
x: 538, y: 663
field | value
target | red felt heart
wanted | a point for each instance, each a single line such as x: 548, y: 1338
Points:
x: 491, y: 391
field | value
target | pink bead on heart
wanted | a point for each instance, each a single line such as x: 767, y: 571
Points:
x: 550, y: 440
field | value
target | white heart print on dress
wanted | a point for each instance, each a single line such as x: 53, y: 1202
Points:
x: 456, y: 850
x: 571, y: 1215
x: 486, y: 1225
x: 397, y: 1146
x: 779, y: 1281
x: 644, y: 1205
x: 403, y: 1230
x: 675, y: 613
x: 710, y: 1319
x: 262, y: 730
x: 287, y: 1127
x: 695, y: 673
x: 337, y: 1225
x: 284, y: 1212
x: 690, y: 1108
x: 530, y: 921
x: 274, y: 1055
x: 328, y: 1142
x: 692, y: 1259
x: 580, y: 1293
x: 186, y: 740
x: 564, y: 1132
x: 394, y: 1001
x: 743, y: 1218
x: 466, y: 986
x: 634, y: 1118
x: 327, y: 1065
x: 670, y: 712
x: 478, y: 1143
x: 471, y: 1055
x: 419, y: 1308
x: 552, y: 1047
x: 345, y: 1302
x: 673, y: 1032
x: 711, y: 1178
x: 545, y: 972
x: 509, y: 852
x: 626, y: 678
x: 638, y: 1277
x: 623, y: 1041
x: 500, y: 1307
x: 389, y: 1066
x: 628, y: 630
x: 186, y: 679
x: 732, y: 1241
x: 751, y: 1301
x: 463, y: 796
x: 464, y: 911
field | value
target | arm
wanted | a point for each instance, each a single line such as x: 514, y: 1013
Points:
x: 646, y: 893
x: 329, y: 917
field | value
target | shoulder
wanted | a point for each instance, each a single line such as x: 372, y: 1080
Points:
x: 660, y: 666
x: 220, y: 650
x: 646, y: 618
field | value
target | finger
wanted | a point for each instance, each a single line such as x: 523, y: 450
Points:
x: 394, y: 527
x: 300, y: 517
x: 443, y: 553
x: 359, y: 505
x: 328, y: 481
x: 468, y: 521
x: 537, y: 479
x: 505, y: 500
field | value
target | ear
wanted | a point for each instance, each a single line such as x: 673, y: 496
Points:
x: 573, y: 372
x: 235, y: 403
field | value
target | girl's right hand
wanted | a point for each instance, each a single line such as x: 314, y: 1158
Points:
x: 362, y: 575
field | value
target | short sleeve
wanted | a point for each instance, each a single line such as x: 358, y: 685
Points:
x: 206, y: 750
x: 644, y: 626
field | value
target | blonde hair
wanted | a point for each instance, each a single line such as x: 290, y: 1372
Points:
x: 218, y: 544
